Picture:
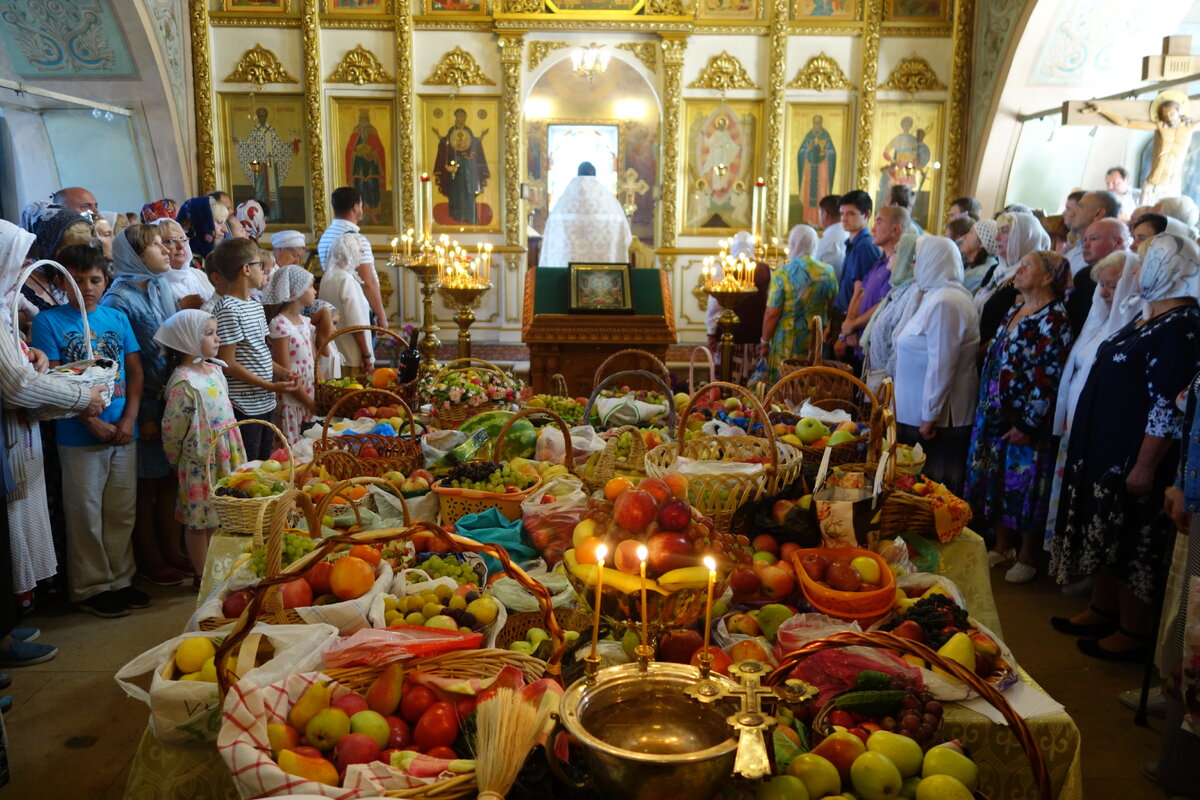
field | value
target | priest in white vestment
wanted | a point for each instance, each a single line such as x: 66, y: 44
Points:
x: 586, y: 225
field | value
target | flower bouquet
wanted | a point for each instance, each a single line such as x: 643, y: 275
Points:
x: 458, y: 392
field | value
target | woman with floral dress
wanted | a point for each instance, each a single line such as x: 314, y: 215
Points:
x: 801, y: 289
x: 1123, y: 454
x: 1010, y: 463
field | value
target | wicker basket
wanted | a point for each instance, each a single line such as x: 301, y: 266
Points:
x: 517, y: 626
x: 821, y: 727
x: 830, y: 389
x: 395, y: 453
x: 558, y: 391
x: 720, y: 495
x: 707, y: 400
x: 816, y: 342
x: 660, y: 369
x: 454, y: 414
x: 256, y: 516
x: 887, y: 641
x: 326, y: 395
x: 608, y: 463
x: 669, y: 422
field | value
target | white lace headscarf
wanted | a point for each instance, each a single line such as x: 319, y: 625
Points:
x: 345, y: 254
x: 1025, y: 235
x: 286, y: 284
x: 1170, y: 269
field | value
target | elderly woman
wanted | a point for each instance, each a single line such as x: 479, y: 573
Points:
x: 1122, y: 456
x: 747, y: 343
x: 103, y: 227
x: 189, y: 285
x: 203, y: 218
x: 164, y: 208
x: 342, y: 288
x: 879, y: 335
x: 935, y: 344
x: 1017, y: 234
x: 55, y: 229
x: 801, y: 289
x: 1010, y: 463
x: 978, y: 248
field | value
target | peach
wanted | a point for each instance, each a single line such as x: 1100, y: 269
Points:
x: 748, y: 649
x: 657, y: 487
x: 678, y: 484
x: 625, y: 557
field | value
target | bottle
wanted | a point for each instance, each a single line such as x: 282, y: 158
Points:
x: 409, y: 361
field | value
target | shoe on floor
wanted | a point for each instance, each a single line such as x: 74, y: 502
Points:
x: 133, y: 598
x: 1137, y: 654
x: 5, y: 680
x: 105, y: 604
x: 26, y: 634
x: 22, y: 654
x: 166, y: 577
x: 1156, y: 701
x: 1080, y: 588
x: 996, y: 558
x: 1093, y: 630
x: 1020, y: 573
x: 6, y: 704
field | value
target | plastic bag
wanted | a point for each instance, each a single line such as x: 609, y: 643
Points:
x: 627, y: 410
x: 584, y: 442
x: 422, y: 508
x: 372, y: 646
x: 835, y: 417
x: 518, y: 599
x: 443, y: 449
x: 551, y: 524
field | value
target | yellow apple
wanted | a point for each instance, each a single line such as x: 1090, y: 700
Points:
x: 868, y: 569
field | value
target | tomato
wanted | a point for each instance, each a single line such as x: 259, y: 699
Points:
x: 464, y: 707
x: 318, y: 577
x: 414, y: 700
x: 442, y: 752
x: 486, y: 694
x: 438, y: 726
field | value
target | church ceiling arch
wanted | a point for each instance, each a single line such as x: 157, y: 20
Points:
x: 60, y: 40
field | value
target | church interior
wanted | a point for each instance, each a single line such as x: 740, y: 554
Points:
x: 468, y: 119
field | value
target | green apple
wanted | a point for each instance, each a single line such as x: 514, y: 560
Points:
x: 904, y: 752
x: 875, y: 777
x: 868, y: 569
x: 770, y: 617
x: 733, y: 404
x: 942, y: 787
x: 809, y: 429
x: 908, y: 789
x: 782, y: 787
x: 841, y: 437
x: 947, y: 761
x: 270, y: 465
x: 819, y: 774
x: 372, y: 724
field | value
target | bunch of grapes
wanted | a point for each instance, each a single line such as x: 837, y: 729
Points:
x: 565, y: 407
x: 919, y: 718
x: 449, y: 567
x: 939, y: 617
x: 225, y: 491
x: 295, y: 546
x: 485, y: 476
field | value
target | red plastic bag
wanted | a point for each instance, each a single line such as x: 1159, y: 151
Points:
x: 374, y: 646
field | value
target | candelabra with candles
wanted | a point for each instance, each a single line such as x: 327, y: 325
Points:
x: 415, y: 252
x: 733, y: 285
x: 463, y: 280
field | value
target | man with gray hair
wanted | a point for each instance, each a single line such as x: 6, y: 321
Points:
x: 1102, y: 237
x: 288, y: 248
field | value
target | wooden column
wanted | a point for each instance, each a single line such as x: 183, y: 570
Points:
x: 206, y: 156
x: 311, y: 49
x: 409, y: 159
x: 776, y: 118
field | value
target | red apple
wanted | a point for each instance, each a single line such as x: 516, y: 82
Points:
x: 318, y: 577
x: 296, y: 593
x: 634, y: 509
x: 625, y: 557
x: 307, y: 750
x: 743, y: 623
x: 355, y: 748
x: 720, y: 662
x: 840, y: 749
x: 236, y: 603
x: 399, y: 733
x: 765, y: 542
x: 781, y: 509
x: 910, y: 629
x: 670, y: 551
x: 841, y: 718
x: 843, y: 577
x: 777, y: 582
x: 674, y: 515
x: 985, y: 664
x: 862, y: 733
x: 815, y: 565
x: 350, y: 703
x: 678, y: 645
x: 657, y: 487
x: 385, y: 756
x: 787, y: 550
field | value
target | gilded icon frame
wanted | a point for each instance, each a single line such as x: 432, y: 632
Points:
x: 839, y: 121
x: 894, y: 11
x: 805, y: 11
x: 927, y: 123
x: 255, y: 7
x: 483, y: 112
x: 286, y: 115
x: 343, y: 120
x: 588, y: 300
x: 734, y: 203
x: 381, y: 9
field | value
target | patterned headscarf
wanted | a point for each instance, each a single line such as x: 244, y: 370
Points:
x: 129, y: 268
x: 196, y: 218
x: 986, y: 230
x: 159, y: 209
x: 345, y: 254
x: 14, y: 246
x: 1170, y: 269
x: 254, y: 220
x: 49, y: 229
x: 286, y: 284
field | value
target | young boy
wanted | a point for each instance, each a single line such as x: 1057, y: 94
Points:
x: 98, y: 454
x: 254, y: 378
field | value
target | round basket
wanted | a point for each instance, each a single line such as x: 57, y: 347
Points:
x: 720, y: 495
x: 816, y: 343
x: 394, y: 453
x: 669, y: 422
x: 256, y: 516
x: 887, y: 641
x: 517, y: 626
x: 558, y: 391
x: 454, y: 414
x: 707, y: 400
x: 326, y: 395
x: 651, y: 362
x: 830, y: 389
x: 608, y: 463
x: 455, y: 503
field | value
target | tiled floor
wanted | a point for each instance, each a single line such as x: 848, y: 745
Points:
x: 73, y: 732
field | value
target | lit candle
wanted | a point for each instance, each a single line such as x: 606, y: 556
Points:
x: 712, y: 578
x: 427, y: 221
x: 601, y: 554
x: 395, y: 249
x: 643, y: 554
x: 409, y: 242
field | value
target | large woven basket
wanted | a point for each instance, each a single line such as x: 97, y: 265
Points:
x: 816, y: 342
x: 654, y: 363
x: 665, y: 385
x: 608, y: 464
x: 395, y: 453
x: 831, y: 389
x: 256, y: 516
x: 454, y: 414
x: 326, y: 395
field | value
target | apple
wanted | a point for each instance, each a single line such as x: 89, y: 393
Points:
x: 236, y: 603
x: 815, y: 565
x: 765, y: 557
x: 787, y: 550
x: 841, y: 749
x: 373, y: 724
x: 904, y: 752
x: 271, y: 465
x: 414, y: 483
x: 281, y: 737
x: 849, y: 426
x: 945, y: 760
x: 634, y: 509
x: 678, y: 645
x: 296, y: 593
x: 875, y: 777
x: 765, y: 542
x: 843, y: 577
x: 659, y: 488
x: 868, y: 569
x: 355, y: 748
x: 841, y: 437
x: 733, y: 404
x: 674, y: 515
x: 748, y: 650
x: 985, y: 644
x: 781, y: 787
x: 910, y: 629
x: 744, y: 581
x: 350, y: 703
x: 678, y: 484
x: 818, y: 773
x: 809, y: 429
x: 771, y: 616
x: 720, y: 659
x: 780, y: 510
x: 744, y: 624
x: 399, y: 734
x: 777, y: 582
x: 669, y: 551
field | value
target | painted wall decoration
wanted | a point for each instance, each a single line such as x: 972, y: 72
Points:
x: 727, y: 9
x: 54, y: 39
x: 908, y: 150
x: 357, y: 8
x: 167, y: 27
x: 918, y: 10
x: 264, y: 156
x: 818, y: 157
x: 364, y: 151
x: 831, y: 10
x: 462, y: 153
x: 263, y: 6
x: 722, y: 144
x: 455, y: 7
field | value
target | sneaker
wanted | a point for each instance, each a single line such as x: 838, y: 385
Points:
x: 1020, y: 573
x: 22, y: 654
x: 26, y: 634
x: 996, y: 558
x: 133, y: 598
x: 1156, y: 702
x: 105, y: 604
x: 1079, y: 588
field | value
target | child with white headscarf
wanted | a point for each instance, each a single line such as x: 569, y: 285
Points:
x: 286, y: 294
x: 197, y: 403
x: 342, y: 288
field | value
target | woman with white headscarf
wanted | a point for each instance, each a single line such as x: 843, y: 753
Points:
x: 342, y: 288
x: 1123, y: 454
x: 747, y: 338
x: 936, y: 383
x: 979, y: 248
x: 252, y: 218
x: 799, y: 290
x: 879, y: 335
x: 1017, y: 234
x: 190, y: 286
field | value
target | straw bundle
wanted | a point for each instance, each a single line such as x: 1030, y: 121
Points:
x: 506, y: 729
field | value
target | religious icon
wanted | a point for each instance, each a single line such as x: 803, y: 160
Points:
x: 819, y: 142
x: 917, y: 11
x: 264, y: 155
x: 262, y: 6
x: 461, y: 169
x: 817, y: 164
x: 727, y: 9
x: 722, y: 157
x: 833, y: 10
x: 356, y: 8
x: 453, y: 6
x: 363, y: 129
x: 461, y: 155
x: 600, y: 287
x: 911, y: 132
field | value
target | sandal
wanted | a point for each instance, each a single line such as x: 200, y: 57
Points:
x: 1137, y: 654
x: 1093, y: 630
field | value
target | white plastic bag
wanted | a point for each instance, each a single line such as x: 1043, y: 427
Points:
x: 191, y: 710
x: 584, y: 442
x: 424, y: 508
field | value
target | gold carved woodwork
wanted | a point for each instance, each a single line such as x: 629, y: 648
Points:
x: 405, y: 113
x: 511, y: 47
x: 776, y: 115
x: 820, y: 74
x: 206, y: 156
x: 646, y: 52
x: 673, y: 47
x: 458, y: 68
x: 960, y: 97
x: 540, y: 49
x: 723, y: 72
x: 359, y: 66
x: 522, y: 6
x: 234, y: 20
x: 665, y: 8
x: 912, y: 75
x: 311, y: 48
x: 873, y: 17
x: 259, y: 66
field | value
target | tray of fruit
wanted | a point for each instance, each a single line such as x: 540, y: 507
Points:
x: 847, y: 583
x: 375, y: 389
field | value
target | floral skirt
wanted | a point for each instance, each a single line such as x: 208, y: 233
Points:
x: 1009, y: 484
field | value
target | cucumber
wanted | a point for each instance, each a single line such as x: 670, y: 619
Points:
x: 870, y: 679
x: 873, y: 703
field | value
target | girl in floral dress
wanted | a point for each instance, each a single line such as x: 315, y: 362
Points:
x: 287, y: 292
x: 197, y: 403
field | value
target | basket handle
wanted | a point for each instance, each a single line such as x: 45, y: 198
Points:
x: 352, y: 329
x: 712, y: 368
x: 656, y: 362
x: 24, y: 276
x: 607, y: 461
x: 568, y: 458
x: 888, y: 641
x: 412, y: 427
x: 641, y: 373
x: 759, y: 410
x: 361, y: 480
x: 450, y: 366
x: 816, y: 340
x: 558, y: 386
x: 227, y: 427
x: 828, y: 371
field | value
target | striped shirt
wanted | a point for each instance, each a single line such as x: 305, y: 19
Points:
x: 244, y: 323
x: 336, y: 229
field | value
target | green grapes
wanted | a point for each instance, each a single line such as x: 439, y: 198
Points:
x: 487, y: 477
x: 565, y: 407
x: 449, y: 567
x: 294, y: 546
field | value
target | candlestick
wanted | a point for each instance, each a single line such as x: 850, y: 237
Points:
x: 643, y: 554
x: 601, y: 554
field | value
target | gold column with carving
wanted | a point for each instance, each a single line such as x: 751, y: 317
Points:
x: 673, y: 46
x: 873, y: 19
x: 776, y: 119
x: 405, y: 113
x: 206, y: 157
x: 512, y: 45
x: 960, y: 99
x: 311, y: 46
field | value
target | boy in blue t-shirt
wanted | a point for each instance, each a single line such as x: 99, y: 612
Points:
x: 98, y: 454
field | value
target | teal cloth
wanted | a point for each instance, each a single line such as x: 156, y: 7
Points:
x: 492, y: 527
x: 552, y: 291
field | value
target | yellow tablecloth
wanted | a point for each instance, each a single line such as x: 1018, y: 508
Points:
x: 964, y: 561
x: 178, y: 771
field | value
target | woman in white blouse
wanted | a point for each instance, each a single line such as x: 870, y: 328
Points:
x: 936, y: 382
x: 342, y: 288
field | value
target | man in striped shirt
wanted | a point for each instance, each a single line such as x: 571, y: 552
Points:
x: 348, y: 212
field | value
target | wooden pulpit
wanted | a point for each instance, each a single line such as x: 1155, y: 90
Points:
x: 575, y: 344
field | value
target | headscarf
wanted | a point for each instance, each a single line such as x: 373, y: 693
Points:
x: 181, y: 274
x: 802, y: 241
x: 128, y: 267
x: 196, y: 218
x: 254, y: 220
x: 938, y: 266
x: 1025, y: 235
x: 14, y: 245
x: 283, y: 239
x: 286, y: 284
x: 344, y: 254
x: 1178, y: 227
x: 182, y: 332
x: 742, y: 245
x: 111, y: 217
x: 1170, y: 269
x: 986, y: 230
x: 877, y: 338
x: 33, y: 213
x: 49, y: 229
x: 159, y: 209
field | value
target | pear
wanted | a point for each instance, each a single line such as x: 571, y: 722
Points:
x: 904, y: 752
x: 326, y: 727
x: 948, y: 761
x: 384, y: 694
x: 875, y: 777
x: 942, y: 787
x: 957, y: 648
x: 311, y: 768
x: 771, y: 617
x: 315, y: 698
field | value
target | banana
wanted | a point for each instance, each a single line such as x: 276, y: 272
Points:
x: 685, y: 578
x: 619, y: 581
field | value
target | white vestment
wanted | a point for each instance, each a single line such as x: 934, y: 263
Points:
x: 586, y: 225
